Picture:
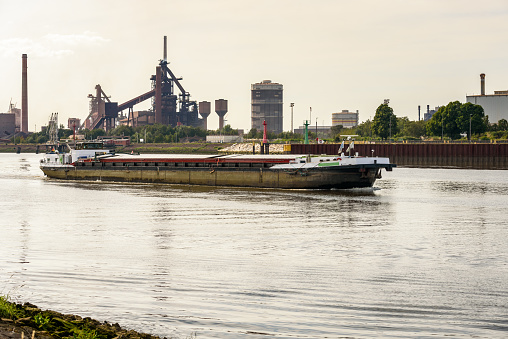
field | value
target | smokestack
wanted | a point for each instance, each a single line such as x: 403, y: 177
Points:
x: 165, y: 48
x: 482, y: 83
x: 418, y: 112
x: 24, y: 95
x: 158, y: 95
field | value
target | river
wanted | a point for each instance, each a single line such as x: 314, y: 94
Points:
x: 424, y: 254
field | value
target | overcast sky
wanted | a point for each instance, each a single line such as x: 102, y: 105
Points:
x: 330, y: 55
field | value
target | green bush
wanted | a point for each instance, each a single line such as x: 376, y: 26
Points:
x: 10, y: 310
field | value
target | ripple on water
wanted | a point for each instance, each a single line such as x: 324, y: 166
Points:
x: 422, y: 255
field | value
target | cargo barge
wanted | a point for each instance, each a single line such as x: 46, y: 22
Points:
x: 89, y: 161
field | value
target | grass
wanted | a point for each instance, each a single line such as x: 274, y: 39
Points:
x: 62, y: 326
x: 10, y: 310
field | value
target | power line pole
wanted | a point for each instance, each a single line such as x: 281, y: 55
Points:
x: 292, y: 105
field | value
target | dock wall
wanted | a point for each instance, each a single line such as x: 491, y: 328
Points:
x: 471, y: 155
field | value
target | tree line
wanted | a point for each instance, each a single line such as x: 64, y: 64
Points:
x: 454, y: 121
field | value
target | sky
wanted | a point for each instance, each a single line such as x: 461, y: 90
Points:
x: 330, y: 55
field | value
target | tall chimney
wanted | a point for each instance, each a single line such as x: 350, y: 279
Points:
x: 24, y: 95
x: 482, y: 82
x: 418, y: 112
x: 165, y: 48
x: 158, y: 95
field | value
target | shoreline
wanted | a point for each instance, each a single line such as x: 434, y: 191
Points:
x: 28, y: 321
x: 171, y: 148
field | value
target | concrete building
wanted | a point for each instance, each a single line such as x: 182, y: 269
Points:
x: 494, y: 105
x: 73, y: 123
x: 7, y: 124
x: 266, y: 105
x: 224, y: 138
x: 345, y: 118
x: 17, y: 116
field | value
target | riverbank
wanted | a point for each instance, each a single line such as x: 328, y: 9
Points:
x: 167, y: 148
x: 28, y: 321
x: 162, y: 148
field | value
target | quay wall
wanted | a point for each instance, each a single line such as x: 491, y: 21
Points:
x: 470, y: 155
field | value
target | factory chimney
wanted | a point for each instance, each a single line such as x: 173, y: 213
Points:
x: 158, y: 95
x: 482, y: 83
x: 24, y: 95
x: 418, y: 112
x: 165, y: 48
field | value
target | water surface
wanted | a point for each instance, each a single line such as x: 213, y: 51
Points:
x: 422, y: 255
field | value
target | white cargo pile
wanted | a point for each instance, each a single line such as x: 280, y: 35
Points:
x: 247, y: 148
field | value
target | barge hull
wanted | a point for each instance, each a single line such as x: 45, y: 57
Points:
x: 325, y: 178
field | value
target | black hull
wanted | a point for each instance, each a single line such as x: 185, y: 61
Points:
x: 336, y: 177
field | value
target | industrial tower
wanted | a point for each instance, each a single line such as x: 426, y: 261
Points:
x: 266, y: 103
x: 168, y: 108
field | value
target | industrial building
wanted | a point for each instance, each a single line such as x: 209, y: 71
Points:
x: 345, y: 118
x: 7, y: 125
x: 224, y: 138
x: 430, y: 112
x: 73, y: 123
x: 168, y: 106
x: 138, y: 118
x: 266, y: 105
x: 494, y: 105
x: 17, y: 116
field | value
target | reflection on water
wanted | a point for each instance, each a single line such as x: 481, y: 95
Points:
x: 423, y: 254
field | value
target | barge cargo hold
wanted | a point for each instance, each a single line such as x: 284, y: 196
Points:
x: 267, y: 171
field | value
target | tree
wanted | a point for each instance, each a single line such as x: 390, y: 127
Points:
x: 434, y: 125
x: 289, y: 136
x: 93, y: 134
x: 228, y: 130
x: 502, y: 125
x: 444, y: 121
x: 253, y: 134
x: 410, y: 129
x: 336, y: 130
x: 122, y: 130
x: 385, y: 122
x: 364, y: 129
x: 473, y: 116
x: 453, y: 119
